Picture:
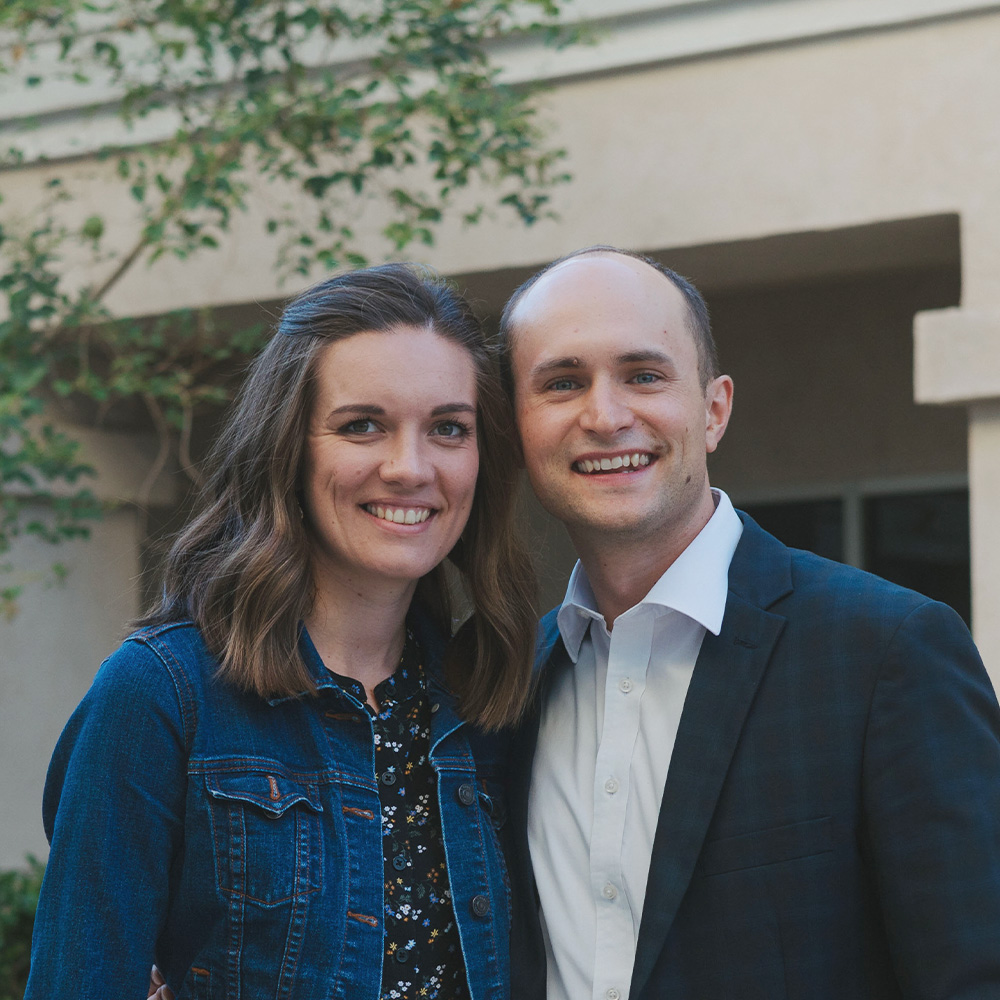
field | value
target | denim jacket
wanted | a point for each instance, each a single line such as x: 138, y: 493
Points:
x: 237, y: 841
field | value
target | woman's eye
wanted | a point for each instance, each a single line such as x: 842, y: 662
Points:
x: 363, y: 425
x: 451, y: 429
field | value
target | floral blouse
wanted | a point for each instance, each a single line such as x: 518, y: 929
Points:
x: 423, y: 956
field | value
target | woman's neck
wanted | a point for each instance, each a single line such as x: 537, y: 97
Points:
x: 359, y: 633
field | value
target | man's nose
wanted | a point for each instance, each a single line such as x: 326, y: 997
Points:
x: 605, y: 410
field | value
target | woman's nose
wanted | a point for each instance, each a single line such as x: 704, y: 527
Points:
x: 407, y: 461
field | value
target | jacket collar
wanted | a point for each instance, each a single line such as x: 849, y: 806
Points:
x: 727, y: 674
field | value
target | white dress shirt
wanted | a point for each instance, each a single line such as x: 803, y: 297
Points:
x: 604, y: 745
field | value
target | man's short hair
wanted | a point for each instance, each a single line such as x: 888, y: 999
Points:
x: 699, y: 324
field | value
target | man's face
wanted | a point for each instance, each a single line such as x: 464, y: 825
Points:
x: 614, y: 422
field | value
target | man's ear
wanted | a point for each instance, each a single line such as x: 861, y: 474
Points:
x: 718, y: 408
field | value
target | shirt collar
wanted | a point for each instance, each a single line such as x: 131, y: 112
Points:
x: 695, y: 584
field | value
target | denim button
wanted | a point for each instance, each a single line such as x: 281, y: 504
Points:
x: 399, y: 862
x: 388, y: 778
x: 402, y: 956
x: 466, y: 793
x: 480, y: 906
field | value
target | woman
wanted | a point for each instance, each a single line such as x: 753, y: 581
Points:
x: 271, y: 788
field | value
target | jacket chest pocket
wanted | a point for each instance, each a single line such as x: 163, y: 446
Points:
x: 267, y: 835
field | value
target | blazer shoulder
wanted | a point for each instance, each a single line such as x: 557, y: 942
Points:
x: 772, y: 575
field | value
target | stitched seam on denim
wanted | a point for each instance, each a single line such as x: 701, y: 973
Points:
x: 236, y: 911
x: 484, y: 863
x: 152, y: 639
x: 265, y: 765
x: 296, y: 922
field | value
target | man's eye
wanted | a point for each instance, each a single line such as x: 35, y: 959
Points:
x: 646, y: 378
x: 562, y: 385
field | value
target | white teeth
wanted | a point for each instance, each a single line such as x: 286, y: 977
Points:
x: 633, y: 461
x: 400, y: 515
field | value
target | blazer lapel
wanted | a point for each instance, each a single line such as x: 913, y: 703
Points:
x: 726, y: 676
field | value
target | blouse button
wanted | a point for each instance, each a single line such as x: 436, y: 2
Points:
x: 480, y: 906
x: 399, y: 862
x: 388, y: 778
x: 402, y: 956
x: 466, y: 793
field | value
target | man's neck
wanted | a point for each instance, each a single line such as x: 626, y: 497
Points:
x: 622, y: 571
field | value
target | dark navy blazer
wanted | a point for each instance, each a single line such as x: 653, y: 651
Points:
x: 830, y: 823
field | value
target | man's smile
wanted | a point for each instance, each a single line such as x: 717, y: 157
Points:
x: 613, y: 463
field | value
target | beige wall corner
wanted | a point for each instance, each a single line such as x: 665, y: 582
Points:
x: 956, y: 355
x: 956, y: 359
x: 984, y: 530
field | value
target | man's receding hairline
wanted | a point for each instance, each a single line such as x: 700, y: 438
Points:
x: 690, y: 322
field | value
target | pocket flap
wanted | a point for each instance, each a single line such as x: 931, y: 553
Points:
x: 268, y: 790
x: 768, y: 847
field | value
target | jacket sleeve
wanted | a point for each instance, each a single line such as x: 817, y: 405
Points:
x: 932, y: 808
x: 113, y: 809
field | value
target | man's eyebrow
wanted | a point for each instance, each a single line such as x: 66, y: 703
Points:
x: 554, y: 365
x: 638, y: 357
x: 644, y: 357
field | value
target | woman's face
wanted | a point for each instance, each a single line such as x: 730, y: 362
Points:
x: 392, y: 456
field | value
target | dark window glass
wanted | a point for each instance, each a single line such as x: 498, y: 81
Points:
x: 816, y: 525
x: 921, y: 541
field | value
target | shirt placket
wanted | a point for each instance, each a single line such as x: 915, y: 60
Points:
x: 627, y: 660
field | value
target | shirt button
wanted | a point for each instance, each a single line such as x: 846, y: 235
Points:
x: 388, y: 778
x: 609, y: 891
x: 402, y: 956
x: 613, y: 994
x: 611, y: 786
x: 435, y: 707
x: 466, y: 793
x: 625, y: 685
x: 399, y: 862
x: 480, y: 906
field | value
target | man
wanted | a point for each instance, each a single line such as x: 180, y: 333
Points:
x: 754, y: 772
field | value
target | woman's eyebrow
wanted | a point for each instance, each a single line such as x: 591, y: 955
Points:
x: 358, y: 408
x: 452, y: 408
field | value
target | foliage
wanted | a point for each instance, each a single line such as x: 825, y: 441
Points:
x: 18, y: 900
x: 396, y: 101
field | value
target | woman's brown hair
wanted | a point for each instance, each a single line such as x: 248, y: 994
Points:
x: 241, y: 568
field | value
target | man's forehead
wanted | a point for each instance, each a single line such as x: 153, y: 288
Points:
x: 601, y: 272
x: 600, y: 298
